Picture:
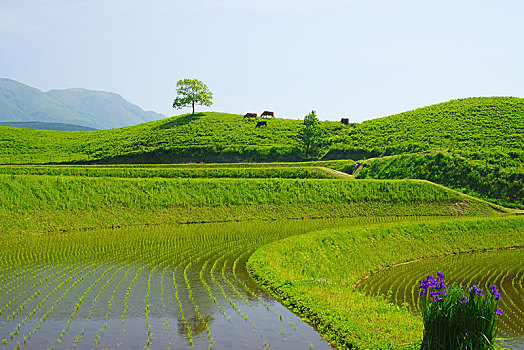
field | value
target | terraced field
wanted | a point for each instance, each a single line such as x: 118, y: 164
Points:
x: 165, y: 279
x: 179, y: 286
x: 504, y: 268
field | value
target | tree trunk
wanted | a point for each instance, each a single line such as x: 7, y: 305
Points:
x: 193, y: 107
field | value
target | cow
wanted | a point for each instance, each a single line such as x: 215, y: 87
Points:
x: 268, y: 114
x: 344, y: 121
x: 262, y: 123
x: 250, y: 115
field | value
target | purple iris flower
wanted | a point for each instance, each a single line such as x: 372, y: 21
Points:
x: 464, y: 301
x: 475, y: 289
x: 494, y: 291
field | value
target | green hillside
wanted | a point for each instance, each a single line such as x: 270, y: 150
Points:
x: 485, y: 134
x: 474, y: 127
x: 483, y: 124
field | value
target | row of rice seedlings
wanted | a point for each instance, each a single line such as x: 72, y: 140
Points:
x: 68, y: 284
x: 81, y: 300
x: 235, y: 307
x: 109, y: 304
x: 128, y: 293
x: 221, y: 288
x: 79, y: 303
x: 113, y: 261
x: 43, y: 281
x: 248, y: 290
x: 63, y: 280
x: 220, y: 250
x: 165, y: 321
x: 162, y: 258
x: 181, y: 310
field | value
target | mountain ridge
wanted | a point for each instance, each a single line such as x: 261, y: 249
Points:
x: 74, y: 106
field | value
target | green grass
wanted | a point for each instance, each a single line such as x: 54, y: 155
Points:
x: 486, y: 132
x: 315, y: 274
x: 501, y: 185
x: 303, y: 170
x: 39, y: 203
x: 170, y: 172
x: 467, y: 125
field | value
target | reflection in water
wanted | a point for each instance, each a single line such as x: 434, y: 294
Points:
x: 197, y: 325
x: 171, y: 287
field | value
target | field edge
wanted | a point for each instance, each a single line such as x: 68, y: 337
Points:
x: 310, y: 276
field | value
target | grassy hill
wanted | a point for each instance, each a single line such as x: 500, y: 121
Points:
x: 483, y: 124
x: 485, y: 134
x: 474, y: 127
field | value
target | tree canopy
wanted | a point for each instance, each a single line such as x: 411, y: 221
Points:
x: 191, y: 92
x: 311, y: 133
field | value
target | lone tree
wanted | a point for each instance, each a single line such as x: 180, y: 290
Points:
x: 311, y: 133
x: 191, y: 92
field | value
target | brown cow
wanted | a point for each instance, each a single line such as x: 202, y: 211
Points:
x: 250, y: 115
x: 268, y: 114
x: 344, y: 121
x: 259, y: 124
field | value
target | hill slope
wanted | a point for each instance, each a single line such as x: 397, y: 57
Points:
x: 485, y: 133
x: 95, y: 109
x: 106, y: 109
x: 22, y: 103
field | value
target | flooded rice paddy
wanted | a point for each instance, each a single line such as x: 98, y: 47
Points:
x: 176, y: 287
x: 505, y: 268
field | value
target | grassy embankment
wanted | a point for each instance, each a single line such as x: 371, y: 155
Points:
x: 315, y: 274
x: 504, y: 186
x: 32, y: 203
x: 482, y: 133
x: 303, y: 170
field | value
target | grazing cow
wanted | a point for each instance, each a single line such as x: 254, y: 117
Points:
x: 268, y: 114
x: 250, y: 115
x: 344, y: 121
x: 259, y: 124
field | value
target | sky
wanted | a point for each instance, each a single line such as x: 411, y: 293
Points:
x: 343, y: 58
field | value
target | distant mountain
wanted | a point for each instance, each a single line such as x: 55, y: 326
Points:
x: 47, y: 126
x: 80, y: 107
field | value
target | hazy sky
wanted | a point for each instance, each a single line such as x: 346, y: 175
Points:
x: 362, y: 59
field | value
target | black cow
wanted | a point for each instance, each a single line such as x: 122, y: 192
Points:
x: 344, y: 121
x: 262, y: 123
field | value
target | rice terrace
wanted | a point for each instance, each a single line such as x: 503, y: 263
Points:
x: 204, y: 231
